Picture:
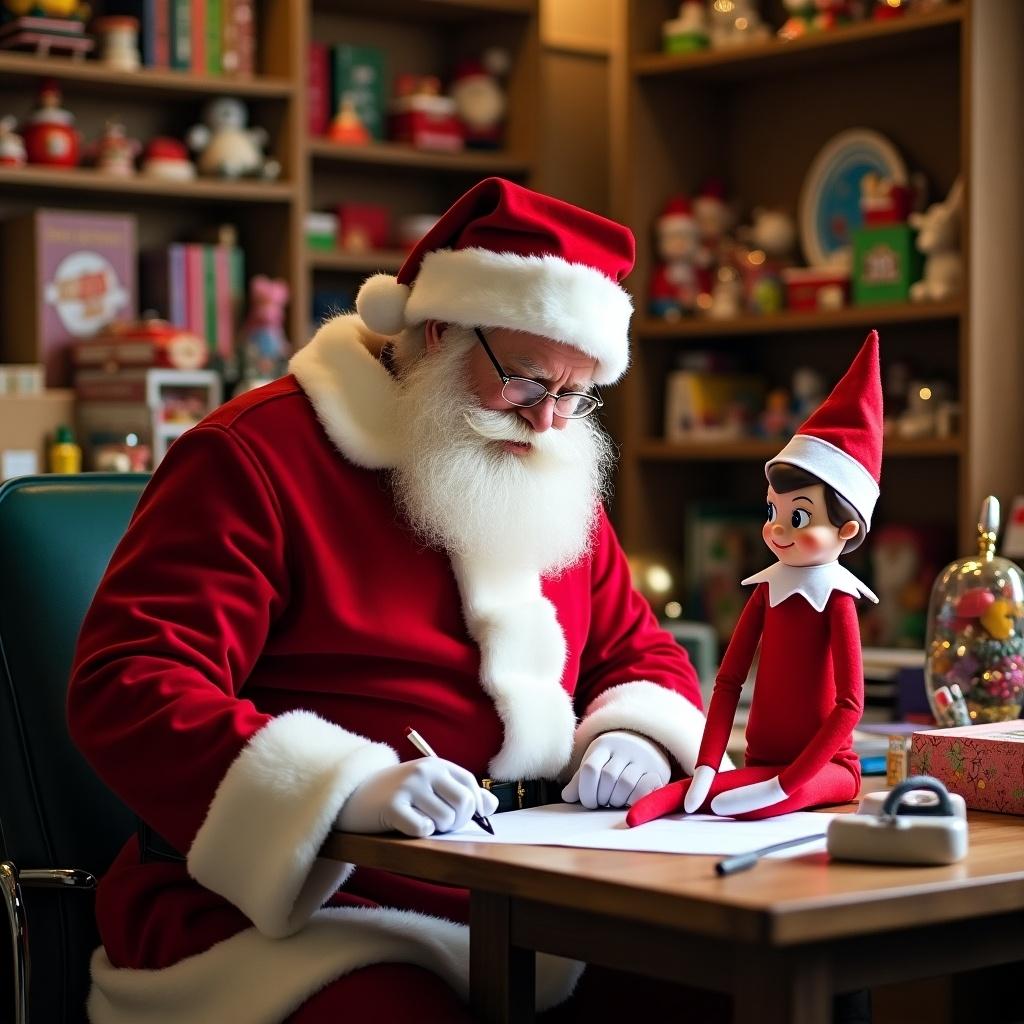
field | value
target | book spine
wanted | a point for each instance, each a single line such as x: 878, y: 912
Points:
x: 177, y: 286
x: 147, y: 32
x: 181, y: 35
x: 210, y: 299
x: 236, y: 277
x: 319, y: 87
x: 162, y: 33
x: 222, y: 291
x: 214, y: 37
x: 198, y: 37
x: 245, y: 26
x: 228, y: 37
x: 195, y: 276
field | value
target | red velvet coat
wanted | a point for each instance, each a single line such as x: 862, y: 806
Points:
x: 264, y: 632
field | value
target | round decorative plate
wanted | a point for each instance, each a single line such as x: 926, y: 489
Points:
x: 830, y: 197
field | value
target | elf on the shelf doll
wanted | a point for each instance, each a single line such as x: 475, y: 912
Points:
x: 809, y: 692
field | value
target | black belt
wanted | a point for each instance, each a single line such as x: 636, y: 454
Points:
x: 512, y: 796
x: 515, y: 796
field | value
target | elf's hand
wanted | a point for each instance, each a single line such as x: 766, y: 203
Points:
x: 745, y: 799
x: 417, y: 798
x: 616, y: 771
x: 703, y: 777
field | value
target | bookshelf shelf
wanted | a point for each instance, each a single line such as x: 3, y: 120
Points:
x: 450, y: 10
x: 356, y: 262
x: 856, y: 42
x: 755, y: 449
x: 201, y: 190
x: 787, y: 321
x: 395, y: 154
x: 154, y: 82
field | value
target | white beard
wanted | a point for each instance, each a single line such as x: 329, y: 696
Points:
x: 463, y: 493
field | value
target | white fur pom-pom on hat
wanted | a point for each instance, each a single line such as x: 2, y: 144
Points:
x: 381, y: 303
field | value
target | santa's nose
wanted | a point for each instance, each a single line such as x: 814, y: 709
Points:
x: 542, y: 416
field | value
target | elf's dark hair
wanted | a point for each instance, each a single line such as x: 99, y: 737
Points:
x: 785, y: 478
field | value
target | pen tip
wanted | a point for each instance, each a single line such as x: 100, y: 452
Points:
x: 485, y: 824
x: 409, y: 729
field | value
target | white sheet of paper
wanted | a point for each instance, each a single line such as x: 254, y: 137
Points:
x: 573, y: 825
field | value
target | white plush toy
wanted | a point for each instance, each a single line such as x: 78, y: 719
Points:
x: 226, y: 147
x: 938, y: 238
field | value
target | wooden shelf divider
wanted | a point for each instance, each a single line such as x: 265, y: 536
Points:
x: 397, y: 154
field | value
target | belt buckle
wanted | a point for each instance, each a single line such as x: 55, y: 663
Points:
x: 520, y: 793
x: 486, y: 784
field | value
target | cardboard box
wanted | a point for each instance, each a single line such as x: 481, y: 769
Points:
x: 983, y: 763
x: 67, y: 274
x: 885, y: 264
x: 28, y: 422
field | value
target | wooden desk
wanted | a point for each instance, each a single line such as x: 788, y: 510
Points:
x: 781, y: 938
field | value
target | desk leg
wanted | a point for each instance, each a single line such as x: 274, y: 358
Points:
x: 781, y: 989
x: 501, y: 976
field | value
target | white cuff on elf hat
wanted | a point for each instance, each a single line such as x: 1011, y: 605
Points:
x: 504, y: 256
x: 841, y: 441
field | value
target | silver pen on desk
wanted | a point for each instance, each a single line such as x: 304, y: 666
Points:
x: 425, y: 749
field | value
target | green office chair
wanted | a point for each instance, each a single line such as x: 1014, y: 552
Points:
x: 59, y: 825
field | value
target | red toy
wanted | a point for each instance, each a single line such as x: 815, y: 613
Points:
x: 809, y: 694
x: 49, y: 133
x: 141, y: 343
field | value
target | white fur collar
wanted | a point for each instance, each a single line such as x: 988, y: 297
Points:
x: 352, y: 393
x: 522, y: 647
x: 813, y: 582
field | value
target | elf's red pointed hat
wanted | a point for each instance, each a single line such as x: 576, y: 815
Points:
x: 505, y: 256
x: 841, y: 441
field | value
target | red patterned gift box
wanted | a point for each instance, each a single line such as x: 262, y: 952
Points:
x: 983, y: 763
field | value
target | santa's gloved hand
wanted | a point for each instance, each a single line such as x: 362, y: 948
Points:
x: 617, y: 770
x: 745, y: 799
x: 417, y: 798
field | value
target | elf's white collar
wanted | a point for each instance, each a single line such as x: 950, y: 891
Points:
x: 813, y: 582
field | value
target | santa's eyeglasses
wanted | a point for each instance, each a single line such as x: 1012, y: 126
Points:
x: 526, y: 393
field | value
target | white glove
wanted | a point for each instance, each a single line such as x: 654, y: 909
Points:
x: 617, y: 769
x: 749, y: 798
x: 703, y: 776
x: 417, y: 798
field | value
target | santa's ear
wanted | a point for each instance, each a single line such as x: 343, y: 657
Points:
x: 432, y: 332
x: 849, y: 530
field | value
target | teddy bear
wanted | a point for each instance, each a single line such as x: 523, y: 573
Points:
x: 226, y: 147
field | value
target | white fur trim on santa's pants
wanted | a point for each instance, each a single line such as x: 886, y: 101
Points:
x: 653, y: 711
x: 258, y: 844
x: 253, y: 979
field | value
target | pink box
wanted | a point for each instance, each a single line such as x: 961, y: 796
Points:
x: 983, y: 763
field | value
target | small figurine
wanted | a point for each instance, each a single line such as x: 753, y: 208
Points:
x: 775, y: 422
x: 346, y: 126
x: 808, y: 389
x: 115, y: 152
x: 927, y: 403
x: 716, y: 218
x: 167, y: 158
x: 736, y: 23
x: 12, y: 146
x: 119, y: 36
x: 227, y: 148
x: 674, y: 286
x: 264, y: 347
x: 938, y: 238
x: 807, y: 16
x: 480, y: 100
x: 688, y: 32
x: 726, y: 298
x: 420, y: 115
x: 49, y: 133
x: 770, y: 241
x: 809, y: 690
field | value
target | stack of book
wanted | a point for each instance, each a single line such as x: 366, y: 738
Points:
x: 213, y: 37
x: 200, y: 288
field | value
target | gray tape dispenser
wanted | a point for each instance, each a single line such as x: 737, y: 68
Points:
x: 917, y: 822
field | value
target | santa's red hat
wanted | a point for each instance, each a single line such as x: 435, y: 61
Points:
x: 676, y: 208
x: 841, y: 441
x: 504, y: 256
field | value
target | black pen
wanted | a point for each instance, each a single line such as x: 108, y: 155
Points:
x: 424, y: 748
x: 742, y: 861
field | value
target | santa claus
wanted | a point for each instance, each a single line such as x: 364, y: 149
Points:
x: 363, y: 545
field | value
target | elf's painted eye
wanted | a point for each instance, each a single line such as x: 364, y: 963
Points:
x: 800, y: 518
x: 772, y: 514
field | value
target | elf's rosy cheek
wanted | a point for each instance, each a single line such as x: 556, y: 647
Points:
x: 810, y: 541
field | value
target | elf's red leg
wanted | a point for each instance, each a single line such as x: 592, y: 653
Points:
x: 834, y: 784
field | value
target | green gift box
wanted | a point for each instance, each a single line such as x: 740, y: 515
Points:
x: 885, y: 264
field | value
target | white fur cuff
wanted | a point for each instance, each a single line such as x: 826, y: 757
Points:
x: 258, y: 844
x: 653, y: 711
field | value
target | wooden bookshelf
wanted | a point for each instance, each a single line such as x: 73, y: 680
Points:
x: 356, y: 262
x: 398, y: 155
x: 937, y: 84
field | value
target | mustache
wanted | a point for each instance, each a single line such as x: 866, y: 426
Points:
x: 494, y: 425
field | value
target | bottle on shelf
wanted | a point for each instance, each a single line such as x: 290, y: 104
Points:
x: 65, y: 456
